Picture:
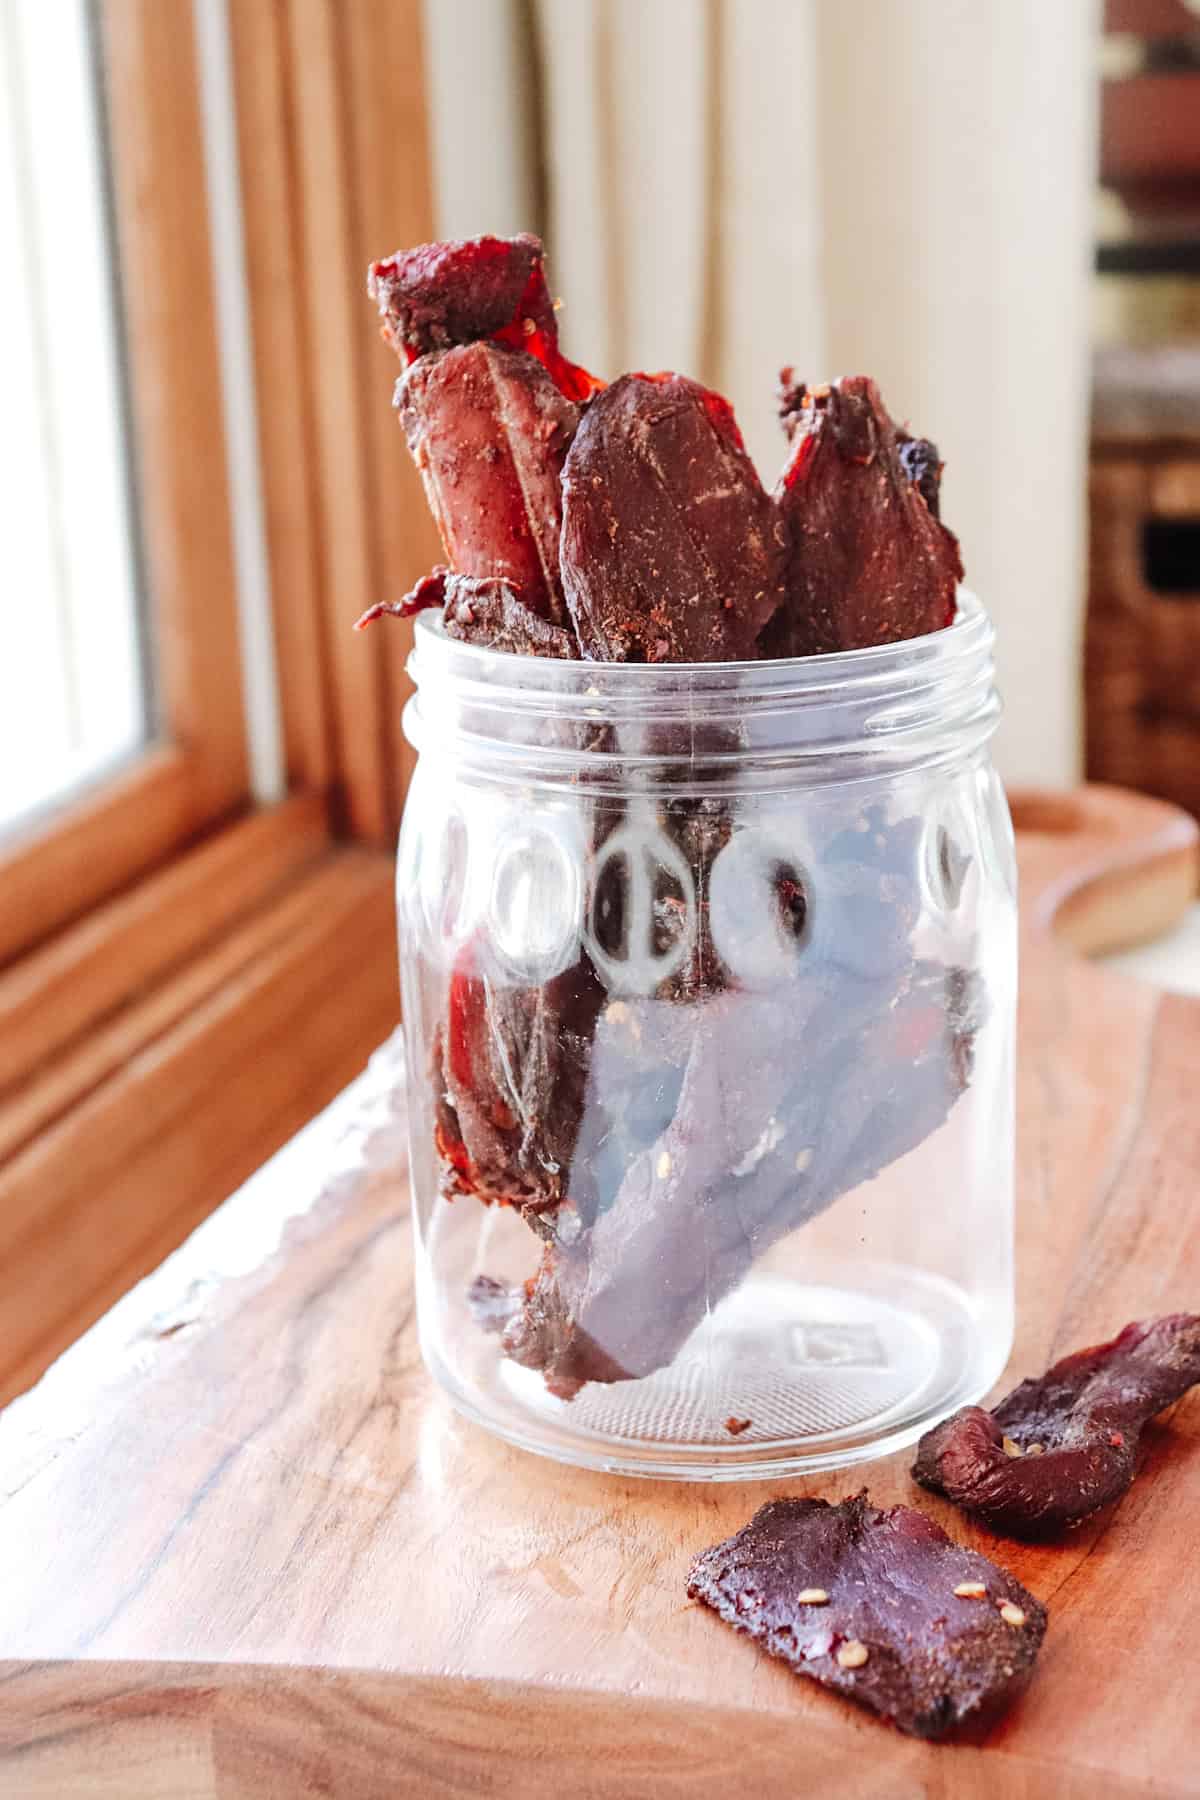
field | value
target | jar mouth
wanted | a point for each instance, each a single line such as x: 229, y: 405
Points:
x: 550, y: 674
x: 912, y: 702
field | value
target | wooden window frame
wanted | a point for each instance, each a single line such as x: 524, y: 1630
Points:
x: 331, y: 130
x: 184, y: 978
x: 196, y: 774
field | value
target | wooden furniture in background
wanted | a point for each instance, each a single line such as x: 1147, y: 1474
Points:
x: 1142, y: 633
x: 1149, y: 145
x: 1149, y: 18
x: 247, y: 1549
x: 185, y: 980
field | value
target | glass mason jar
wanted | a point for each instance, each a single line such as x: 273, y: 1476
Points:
x: 709, y: 984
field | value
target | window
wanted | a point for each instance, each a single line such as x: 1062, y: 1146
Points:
x: 191, y: 771
x: 73, y: 695
x: 202, y: 765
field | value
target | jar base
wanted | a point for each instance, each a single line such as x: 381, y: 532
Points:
x: 785, y: 1377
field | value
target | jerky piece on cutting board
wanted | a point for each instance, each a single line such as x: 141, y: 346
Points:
x: 786, y: 1102
x: 880, y: 1606
x: 869, y: 561
x: 488, y: 431
x: 435, y: 296
x: 513, y: 1068
x: 1064, y: 1444
x: 671, y: 549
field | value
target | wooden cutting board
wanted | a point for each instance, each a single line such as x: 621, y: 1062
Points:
x: 246, y: 1549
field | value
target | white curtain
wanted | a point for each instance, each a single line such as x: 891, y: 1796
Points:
x: 897, y: 187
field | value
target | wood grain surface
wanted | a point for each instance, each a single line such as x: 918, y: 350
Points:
x: 247, y: 1550
x: 132, y: 1134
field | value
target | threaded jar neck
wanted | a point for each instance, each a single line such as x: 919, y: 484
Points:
x: 706, y: 727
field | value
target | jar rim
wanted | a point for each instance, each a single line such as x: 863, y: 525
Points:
x: 970, y: 634
x: 705, y: 727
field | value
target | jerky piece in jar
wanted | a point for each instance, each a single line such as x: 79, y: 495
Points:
x: 700, y: 826
x: 639, y: 1057
x: 427, y: 595
x: 545, y: 1334
x: 488, y: 431
x: 671, y: 549
x: 869, y: 561
x: 880, y: 1606
x: 919, y: 456
x: 491, y: 613
x: 435, y: 296
x: 651, y: 907
x: 923, y: 466
x: 458, y: 1174
x: 786, y: 1103
x: 514, y: 1064
x: 1064, y: 1444
x: 475, y: 1126
x: 873, y: 1051
x: 483, y: 610
x: 867, y: 899
x: 619, y: 1301
x: 494, y: 1303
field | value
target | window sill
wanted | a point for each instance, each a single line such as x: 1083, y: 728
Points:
x: 126, y: 1137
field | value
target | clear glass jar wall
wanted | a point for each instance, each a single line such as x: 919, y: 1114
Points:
x: 709, y: 993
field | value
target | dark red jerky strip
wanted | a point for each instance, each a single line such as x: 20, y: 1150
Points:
x: 429, y: 592
x: 700, y: 827
x: 1073, y: 1432
x: 545, y: 1335
x: 476, y: 1131
x: 489, y: 430
x: 869, y: 563
x: 439, y: 295
x: 514, y: 1067
x: 447, y: 1132
x: 492, y: 614
x: 875, y: 1056
x: 528, y: 333
x: 671, y: 550
x: 481, y: 610
x: 784, y: 1103
x: 892, y: 1635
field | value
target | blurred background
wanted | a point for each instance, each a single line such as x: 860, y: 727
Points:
x: 993, y: 206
